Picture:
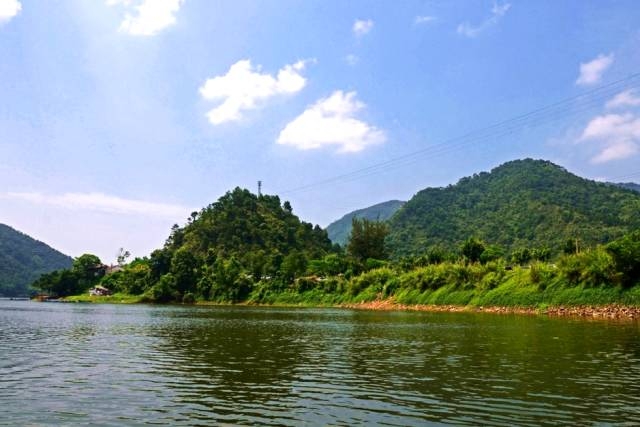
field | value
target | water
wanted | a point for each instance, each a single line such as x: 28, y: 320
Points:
x: 133, y: 365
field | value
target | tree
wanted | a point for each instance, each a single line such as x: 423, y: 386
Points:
x: 367, y: 239
x: 184, y: 269
x: 293, y: 265
x: 122, y: 256
x: 626, y: 257
x: 88, y: 268
x: 472, y: 249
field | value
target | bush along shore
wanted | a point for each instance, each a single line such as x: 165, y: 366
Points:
x: 586, y: 284
x: 248, y: 249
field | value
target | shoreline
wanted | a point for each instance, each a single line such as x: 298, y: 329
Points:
x: 606, y: 311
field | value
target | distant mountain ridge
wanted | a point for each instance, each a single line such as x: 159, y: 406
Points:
x: 522, y: 203
x: 23, y: 259
x: 340, y: 230
x: 628, y: 185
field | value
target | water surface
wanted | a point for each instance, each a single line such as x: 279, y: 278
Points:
x: 134, y: 365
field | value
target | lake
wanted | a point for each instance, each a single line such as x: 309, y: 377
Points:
x: 139, y: 364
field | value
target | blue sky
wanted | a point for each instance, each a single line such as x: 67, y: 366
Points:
x: 120, y: 117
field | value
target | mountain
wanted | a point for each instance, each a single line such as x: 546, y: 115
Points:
x: 339, y: 230
x: 628, y: 185
x: 522, y: 203
x: 23, y: 259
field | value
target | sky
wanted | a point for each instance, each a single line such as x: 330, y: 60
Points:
x: 118, y: 118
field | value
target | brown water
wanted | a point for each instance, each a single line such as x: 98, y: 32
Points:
x: 132, y: 365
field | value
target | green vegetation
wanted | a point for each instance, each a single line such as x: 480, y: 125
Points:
x: 629, y: 186
x: 23, y: 260
x: 340, y: 230
x: 521, y: 204
x: 117, y: 298
x: 252, y: 249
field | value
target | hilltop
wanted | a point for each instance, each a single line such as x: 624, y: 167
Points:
x: 522, y: 203
x: 339, y: 230
x: 23, y: 259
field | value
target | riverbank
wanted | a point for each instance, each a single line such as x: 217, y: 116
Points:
x: 608, y: 311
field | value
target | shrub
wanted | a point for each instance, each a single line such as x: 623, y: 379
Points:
x: 375, y: 279
x: 626, y: 257
x: 188, y: 298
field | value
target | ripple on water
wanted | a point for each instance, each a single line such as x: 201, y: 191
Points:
x: 114, y: 365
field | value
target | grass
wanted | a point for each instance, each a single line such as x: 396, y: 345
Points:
x: 117, y: 298
x: 538, y: 286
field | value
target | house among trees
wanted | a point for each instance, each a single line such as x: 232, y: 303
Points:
x: 99, y: 291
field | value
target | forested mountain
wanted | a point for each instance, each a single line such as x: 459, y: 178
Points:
x: 629, y: 185
x: 339, y: 230
x: 23, y: 259
x: 523, y: 203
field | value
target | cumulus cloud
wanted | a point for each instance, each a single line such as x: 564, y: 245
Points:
x: 102, y: 203
x: 497, y: 12
x: 423, y: 19
x: 331, y: 122
x: 9, y: 9
x: 362, y: 27
x: 148, y: 17
x: 244, y: 87
x: 618, y: 134
x: 591, y: 72
x: 628, y: 98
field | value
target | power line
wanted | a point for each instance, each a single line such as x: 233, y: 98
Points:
x: 547, y: 114
x: 627, y: 176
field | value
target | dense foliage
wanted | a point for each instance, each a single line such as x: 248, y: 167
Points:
x: 367, y: 239
x: 23, y: 259
x: 340, y: 230
x: 629, y: 186
x: 521, y: 204
x: 248, y: 248
x: 86, y: 271
x: 240, y: 242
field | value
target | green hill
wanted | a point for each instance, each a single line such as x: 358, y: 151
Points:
x: 339, y: 230
x: 522, y: 203
x: 23, y: 259
x: 240, y: 224
x: 226, y: 250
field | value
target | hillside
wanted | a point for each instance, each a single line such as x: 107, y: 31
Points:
x: 238, y: 242
x: 23, y: 259
x: 523, y: 203
x: 339, y: 230
x: 629, y: 186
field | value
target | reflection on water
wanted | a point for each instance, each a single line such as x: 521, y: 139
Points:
x: 115, y: 365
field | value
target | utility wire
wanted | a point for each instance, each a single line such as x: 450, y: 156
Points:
x: 559, y: 110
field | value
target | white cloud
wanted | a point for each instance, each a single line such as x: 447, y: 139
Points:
x: 619, y: 134
x: 628, y: 98
x: 423, y: 19
x: 9, y: 9
x: 352, y: 59
x: 591, y: 72
x: 362, y: 27
x: 331, y: 121
x: 102, y: 203
x: 244, y: 86
x: 497, y: 12
x: 149, y: 16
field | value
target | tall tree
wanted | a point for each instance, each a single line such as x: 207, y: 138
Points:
x: 367, y: 239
